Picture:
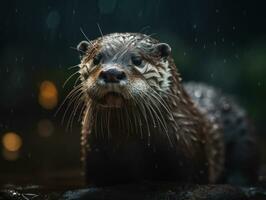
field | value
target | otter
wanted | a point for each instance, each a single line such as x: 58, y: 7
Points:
x: 140, y: 122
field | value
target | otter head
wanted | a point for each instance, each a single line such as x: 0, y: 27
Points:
x: 123, y: 68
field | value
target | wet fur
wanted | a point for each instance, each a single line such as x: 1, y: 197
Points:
x: 158, y: 134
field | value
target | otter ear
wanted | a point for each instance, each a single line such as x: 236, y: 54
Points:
x: 82, y: 47
x: 162, y: 49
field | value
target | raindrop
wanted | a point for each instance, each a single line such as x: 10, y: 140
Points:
x: 223, y: 39
x: 217, y: 10
x: 195, y: 26
x: 215, y: 43
x: 197, y: 93
x: 234, y: 28
x: 196, y: 40
x: 259, y: 84
x: 53, y: 20
x: 140, y: 14
x: 107, y: 7
x: 74, y: 11
x: 225, y: 61
x: 185, y: 53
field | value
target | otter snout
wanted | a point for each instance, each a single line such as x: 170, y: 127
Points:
x: 112, y: 75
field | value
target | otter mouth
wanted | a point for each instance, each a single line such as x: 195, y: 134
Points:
x: 112, y: 99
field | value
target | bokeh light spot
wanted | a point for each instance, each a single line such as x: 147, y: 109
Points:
x: 10, y: 155
x: 45, y: 128
x: 48, y: 95
x: 12, y: 141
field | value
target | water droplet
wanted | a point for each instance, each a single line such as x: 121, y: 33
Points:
x: 217, y: 10
x: 53, y: 20
x: 196, y: 40
x: 197, y: 94
x: 194, y: 26
x: 225, y: 60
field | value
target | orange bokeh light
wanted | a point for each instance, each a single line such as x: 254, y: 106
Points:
x: 10, y: 155
x: 48, y: 95
x: 45, y: 128
x: 12, y: 141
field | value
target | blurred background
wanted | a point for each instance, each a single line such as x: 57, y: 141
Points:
x: 220, y: 42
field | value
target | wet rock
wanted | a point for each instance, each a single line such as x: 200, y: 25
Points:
x: 147, y: 191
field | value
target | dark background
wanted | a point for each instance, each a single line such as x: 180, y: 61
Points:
x: 221, y: 42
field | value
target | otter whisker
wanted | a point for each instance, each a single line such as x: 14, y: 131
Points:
x: 100, y: 29
x: 82, y: 111
x: 74, y: 66
x: 88, y: 40
x: 161, y: 101
x: 108, y: 123
x: 129, y: 123
x: 71, y: 76
x: 149, y: 108
x: 73, y: 96
x: 76, y: 103
x: 94, y: 118
x: 77, y: 80
x: 161, y: 120
x: 102, y: 129
x: 144, y: 113
x: 67, y: 97
x: 134, y: 113
x: 80, y: 103
x: 166, y: 107
x: 78, y: 50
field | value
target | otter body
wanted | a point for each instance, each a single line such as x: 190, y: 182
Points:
x: 139, y: 122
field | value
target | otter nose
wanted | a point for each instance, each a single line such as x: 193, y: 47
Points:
x: 112, y: 75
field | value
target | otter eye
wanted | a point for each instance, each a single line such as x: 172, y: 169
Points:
x: 136, y: 60
x: 97, y: 59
